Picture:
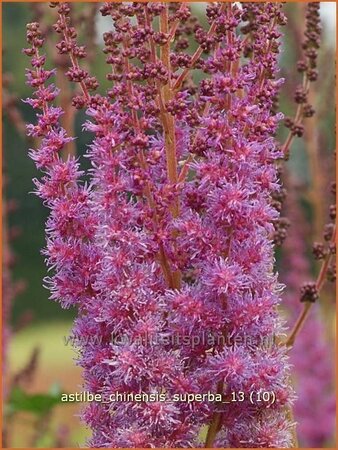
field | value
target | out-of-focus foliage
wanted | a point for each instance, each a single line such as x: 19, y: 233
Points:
x: 38, y: 404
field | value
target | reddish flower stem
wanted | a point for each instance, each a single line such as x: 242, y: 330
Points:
x: 215, y: 423
x: 73, y: 58
x: 308, y: 305
x: 169, y: 129
x: 298, y: 118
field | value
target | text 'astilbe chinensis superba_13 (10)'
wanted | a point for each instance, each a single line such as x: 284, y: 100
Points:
x: 167, y: 250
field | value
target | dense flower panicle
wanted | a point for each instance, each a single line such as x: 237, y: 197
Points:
x: 314, y: 382
x: 172, y: 238
x: 59, y: 188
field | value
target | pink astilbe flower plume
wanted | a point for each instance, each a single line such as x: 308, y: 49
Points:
x: 168, y: 251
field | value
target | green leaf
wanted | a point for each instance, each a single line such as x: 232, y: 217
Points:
x: 38, y: 404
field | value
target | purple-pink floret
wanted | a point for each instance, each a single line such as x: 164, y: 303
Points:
x: 168, y: 302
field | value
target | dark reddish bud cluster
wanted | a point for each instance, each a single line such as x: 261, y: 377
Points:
x: 34, y: 38
x: 300, y: 95
x: 288, y: 122
x: 68, y: 45
x: 281, y: 226
x: 180, y: 60
x: 308, y: 110
x: 329, y: 228
x: 319, y: 250
x: 296, y: 129
x: 332, y: 212
x: 312, y: 34
x: 332, y: 248
x: 301, y: 65
x: 307, y: 66
x: 309, y: 292
x: 328, y: 231
x: 328, y: 248
x: 331, y: 273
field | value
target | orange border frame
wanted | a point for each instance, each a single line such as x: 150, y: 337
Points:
x: 140, y: 1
